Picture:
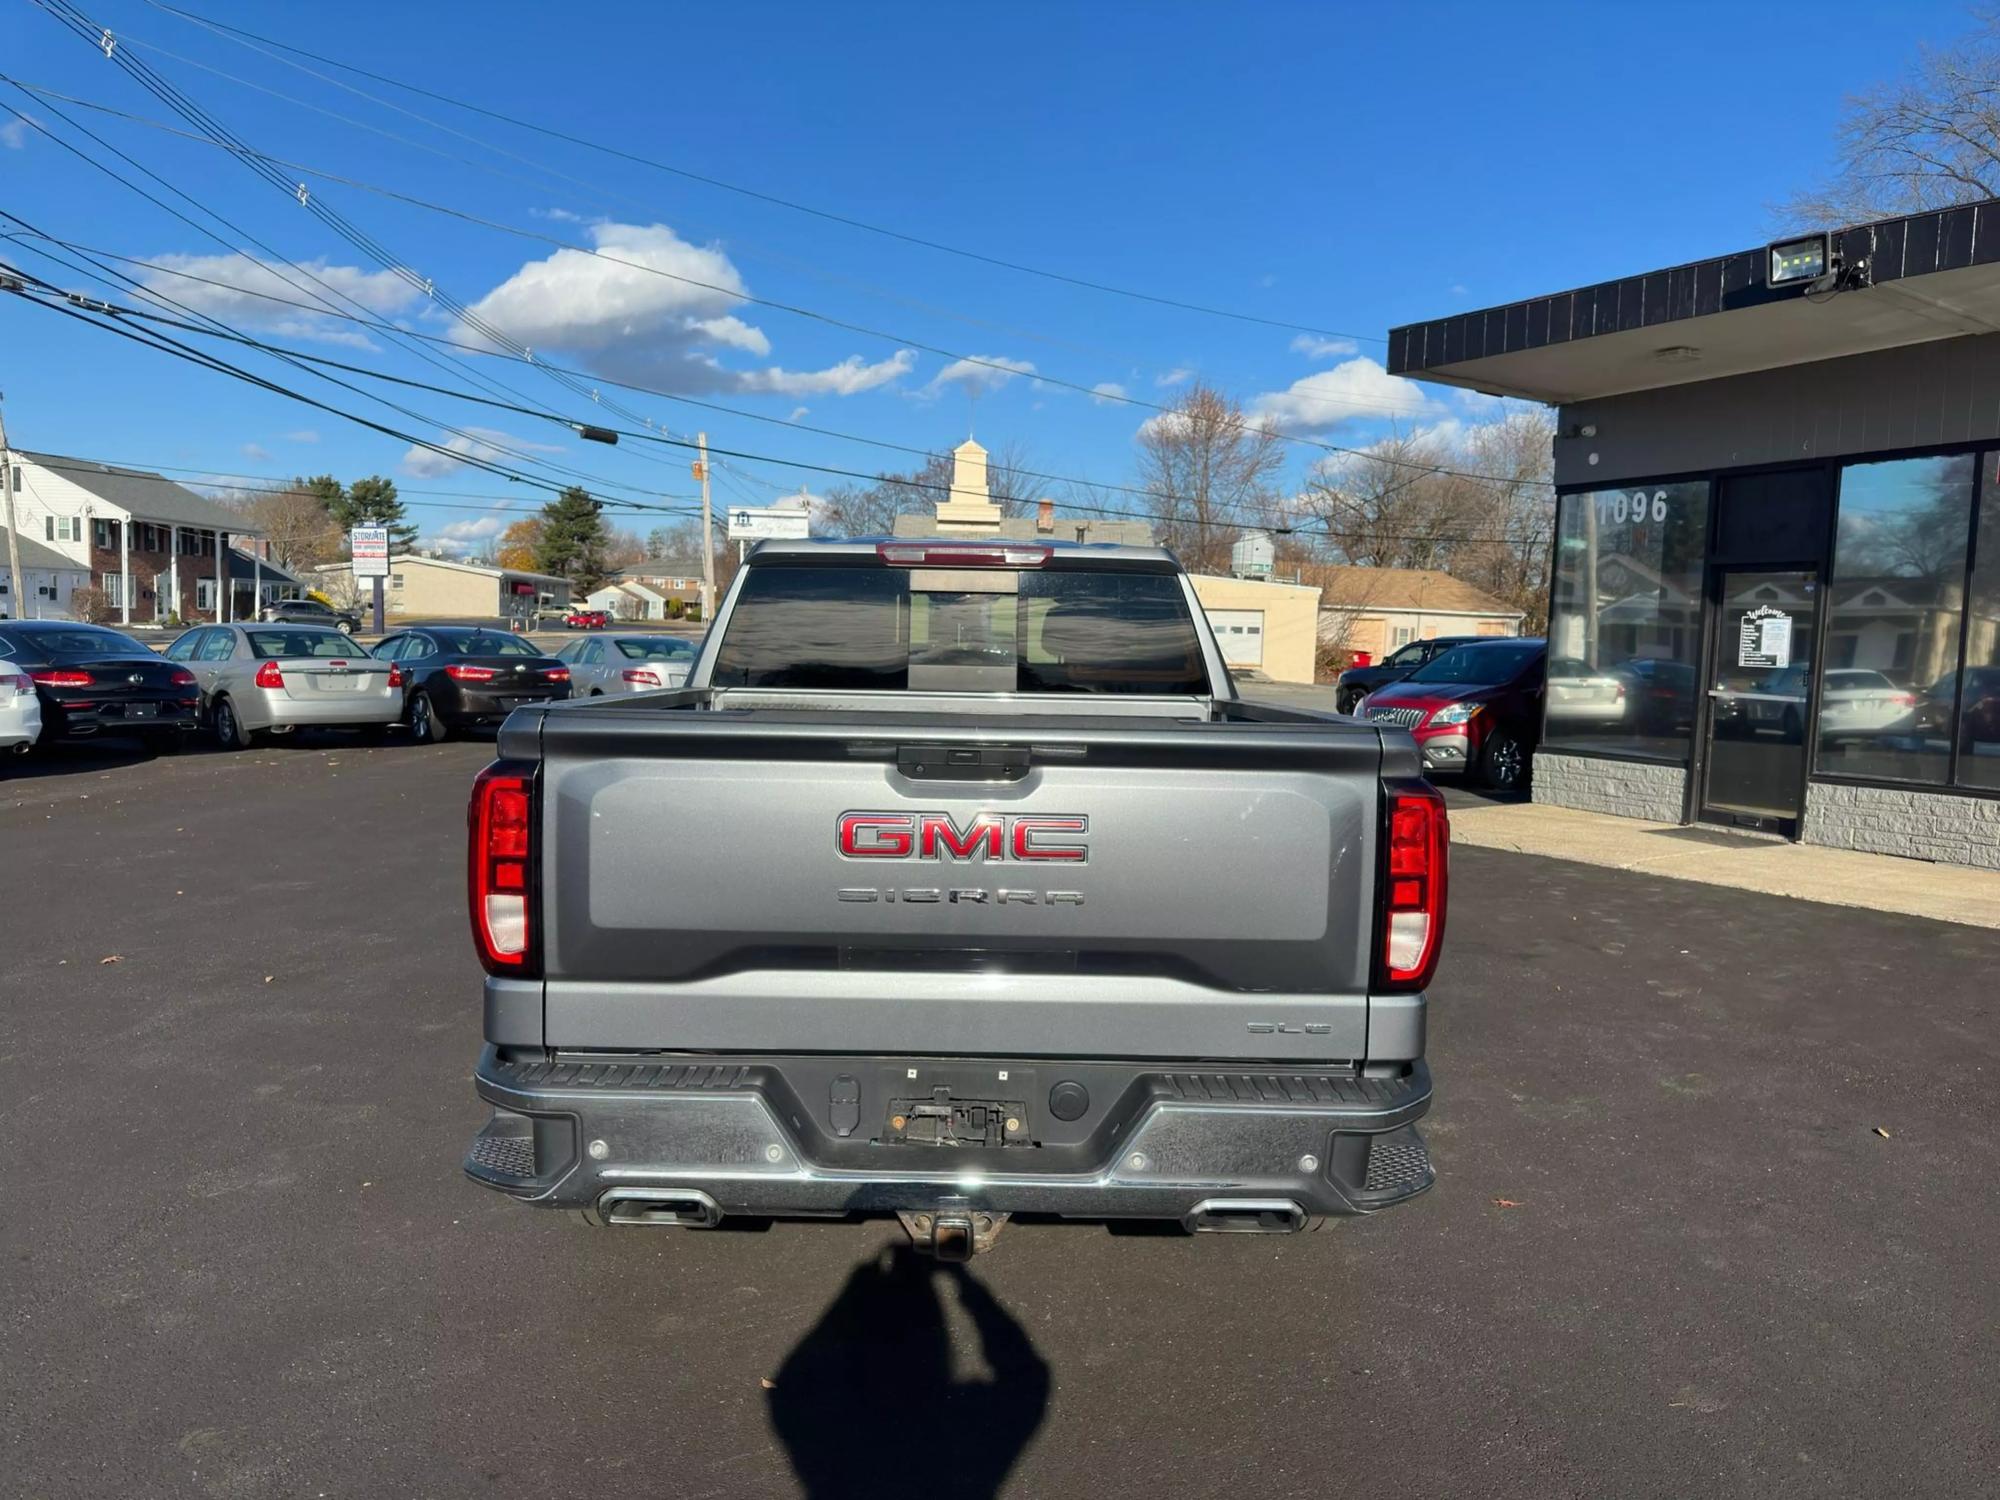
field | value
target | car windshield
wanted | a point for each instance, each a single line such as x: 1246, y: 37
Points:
x: 656, y: 648
x: 293, y: 643
x: 490, y: 643
x: 84, y: 640
x: 870, y: 628
x: 1479, y: 666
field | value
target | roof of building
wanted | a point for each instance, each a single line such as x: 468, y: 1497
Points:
x: 1902, y: 281
x: 489, y: 569
x: 36, y: 555
x: 658, y: 567
x: 144, y: 495
x: 246, y: 567
x: 1405, y: 589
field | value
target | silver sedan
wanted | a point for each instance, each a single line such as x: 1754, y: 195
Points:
x: 605, y: 664
x: 260, y: 679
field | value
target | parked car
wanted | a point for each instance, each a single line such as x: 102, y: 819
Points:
x: 1476, y: 709
x: 459, y: 676
x: 308, y: 612
x: 1855, y: 703
x: 1977, y: 705
x: 20, y: 709
x: 1582, y: 696
x: 1662, y: 692
x: 271, y: 679
x: 626, y: 664
x: 588, y: 619
x: 92, y: 681
x: 1356, y: 683
x: 941, y: 959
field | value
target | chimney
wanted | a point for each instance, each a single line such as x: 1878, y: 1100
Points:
x: 1045, y: 515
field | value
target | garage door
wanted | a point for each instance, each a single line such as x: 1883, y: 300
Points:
x: 1240, y: 634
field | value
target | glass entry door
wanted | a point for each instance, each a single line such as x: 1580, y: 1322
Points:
x: 1760, y: 684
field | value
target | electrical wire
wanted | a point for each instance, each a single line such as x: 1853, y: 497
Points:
x: 248, y: 38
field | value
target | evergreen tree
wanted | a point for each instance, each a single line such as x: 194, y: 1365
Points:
x: 372, y: 502
x: 573, y: 540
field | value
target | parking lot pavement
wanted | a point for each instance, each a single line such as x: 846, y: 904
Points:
x: 1715, y: 1215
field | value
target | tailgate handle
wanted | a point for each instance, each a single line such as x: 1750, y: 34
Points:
x: 963, y: 762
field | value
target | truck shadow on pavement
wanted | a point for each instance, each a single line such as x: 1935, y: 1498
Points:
x: 874, y: 1382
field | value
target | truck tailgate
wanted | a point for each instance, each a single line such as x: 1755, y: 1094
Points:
x: 800, y: 881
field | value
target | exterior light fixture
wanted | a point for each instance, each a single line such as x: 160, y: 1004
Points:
x: 1789, y: 262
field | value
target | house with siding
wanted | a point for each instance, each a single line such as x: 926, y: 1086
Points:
x: 1376, y: 610
x: 48, y: 579
x: 156, y: 549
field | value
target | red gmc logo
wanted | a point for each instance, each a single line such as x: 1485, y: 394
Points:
x: 985, y: 836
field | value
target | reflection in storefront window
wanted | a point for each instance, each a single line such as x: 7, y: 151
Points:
x: 1888, y: 689
x: 1979, y: 696
x: 1625, y: 620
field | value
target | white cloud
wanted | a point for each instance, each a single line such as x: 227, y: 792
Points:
x: 1312, y: 346
x: 560, y: 215
x: 799, y: 412
x: 1179, y: 375
x: 1107, y: 393
x: 1355, y: 390
x: 14, y: 134
x: 979, y: 374
x: 847, y: 378
x: 463, y: 536
x: 257, y: 453
x: 237, y: 289
x: 474, y: 442
x: 303, y: 435
x: 1163, y: 423
x: 1458, y: 289
x: 735, y: 333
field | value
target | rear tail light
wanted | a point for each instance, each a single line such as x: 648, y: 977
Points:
x: 395, y: 675
x: 181, y: 677
x: 1414, y: 876
x: 1904, y: 700
x: 499, y: 871
x: 961, y: 555
x: 268, y: 676
x: 16, y: 685
x: 62, y: 677
x: 557, y: 674
x: 642, y: 677
x: 460, y: 672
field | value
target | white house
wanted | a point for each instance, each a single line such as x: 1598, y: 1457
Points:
x: 629, y: 601
x: 155, y: 548
x: 48, y: 580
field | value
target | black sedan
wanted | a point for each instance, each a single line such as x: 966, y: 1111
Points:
x: 308, y: 612
x: 1357, y: 683
x: 459, y: 676
x: 94, y: 681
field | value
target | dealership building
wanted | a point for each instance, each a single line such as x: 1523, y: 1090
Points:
x: 1775, y: 600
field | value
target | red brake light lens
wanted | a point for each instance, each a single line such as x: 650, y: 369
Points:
x: 62, y: 677
x: 961, y: 555
x: 557, y: 674
x: 268, y: 676
x: 395, y: 675
x: 1415, y: 869
x: 181, y: 677
x: 459, y: 671
x: 502, y: 848
x: 642, y: 677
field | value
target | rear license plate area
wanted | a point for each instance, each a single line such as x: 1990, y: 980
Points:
x: 940, y: 1119
x: 142, y: 710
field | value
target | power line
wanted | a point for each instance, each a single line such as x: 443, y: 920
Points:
x: 246, y: 38
x: 1005, y: 371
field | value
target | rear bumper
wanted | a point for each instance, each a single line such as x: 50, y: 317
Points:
x: 814, y: 1136
x: 171, y: 716
x: 273, y: 711
x: 465, y: 707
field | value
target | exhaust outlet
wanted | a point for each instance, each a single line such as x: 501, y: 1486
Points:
x: 21, y: 749
x: 1245, y: 1216
x: 678, y: 1208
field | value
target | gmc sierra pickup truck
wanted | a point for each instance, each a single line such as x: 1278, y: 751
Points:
x: 956, y: 883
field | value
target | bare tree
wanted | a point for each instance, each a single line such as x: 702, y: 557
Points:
x: 1212, y: 472
x: 1930, y: 140
x: 295, y: 521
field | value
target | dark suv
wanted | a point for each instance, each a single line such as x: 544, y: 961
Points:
x: 1357, y: 683
x: 307, y: 612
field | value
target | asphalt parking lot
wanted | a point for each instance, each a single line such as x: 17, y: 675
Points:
x: 1716, y: 1212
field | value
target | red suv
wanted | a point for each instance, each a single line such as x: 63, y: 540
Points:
x: 1476, y: 709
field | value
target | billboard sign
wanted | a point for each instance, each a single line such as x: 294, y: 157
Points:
x: 369, y: 547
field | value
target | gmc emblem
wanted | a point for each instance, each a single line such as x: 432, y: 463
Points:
x: 986, y: 836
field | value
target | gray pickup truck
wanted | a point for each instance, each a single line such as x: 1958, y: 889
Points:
x: 956, y: 883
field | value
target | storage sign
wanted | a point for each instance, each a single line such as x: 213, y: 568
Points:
x: 369, y: 546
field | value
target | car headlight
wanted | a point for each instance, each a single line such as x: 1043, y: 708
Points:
x: 1456, y: 713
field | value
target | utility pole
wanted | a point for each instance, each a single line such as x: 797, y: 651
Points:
x: 707, y: 536
x: 15, y: 577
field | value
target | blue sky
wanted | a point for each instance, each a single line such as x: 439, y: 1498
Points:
x: 1342, y: 168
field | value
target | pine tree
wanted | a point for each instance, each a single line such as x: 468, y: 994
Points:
x: 372, y: 502
x: 573, y: 540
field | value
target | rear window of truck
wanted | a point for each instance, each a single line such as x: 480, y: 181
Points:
x: 975, y: 630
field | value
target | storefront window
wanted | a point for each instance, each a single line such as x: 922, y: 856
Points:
x: 1979, y: 693
x: 1625, y: 620
x: 1888, y: 686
